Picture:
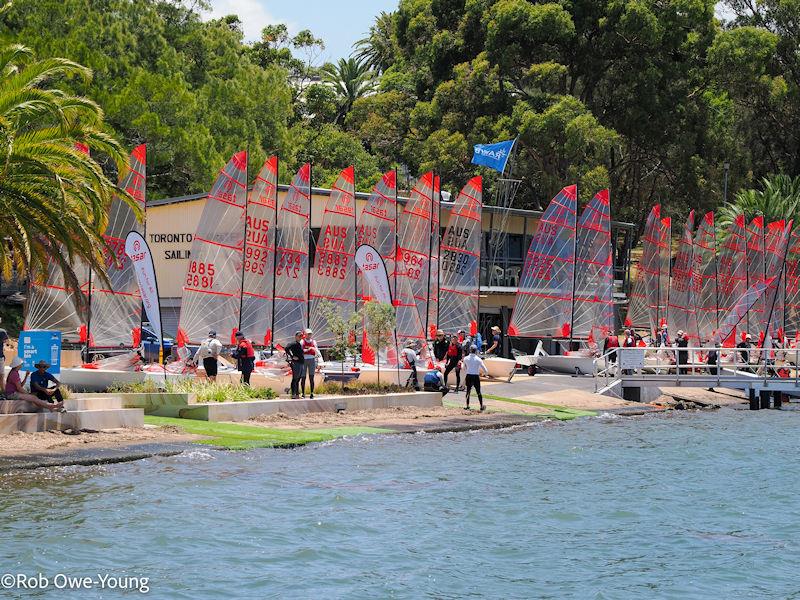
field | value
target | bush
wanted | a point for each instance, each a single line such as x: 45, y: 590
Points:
x: 357, y: 388
x: 204, y: 391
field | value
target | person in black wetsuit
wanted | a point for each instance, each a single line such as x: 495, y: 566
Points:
x: 296, y: 360
x: 440, y: 346
x: 744, y: 352
x: 454, y: 355
x: 682, y: 341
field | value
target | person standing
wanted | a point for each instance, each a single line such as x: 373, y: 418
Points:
x: 454, y: 356
x: 409, y: 356
x: 208, y: 353
x: 744, y: 351
x: 711, y: 361
x: 440, y: 346
x: 611, y: 343
x: 497, y: 342
x: 310, y: 352
x: 245, y: 357
x: 682, y: 341
x: 474, y: 366
x: 296, y: 360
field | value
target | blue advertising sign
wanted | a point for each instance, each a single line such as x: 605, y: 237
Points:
x: 40, y: 344
x: 494, y: 156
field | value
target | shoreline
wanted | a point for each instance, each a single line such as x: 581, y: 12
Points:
x: 167, y: 437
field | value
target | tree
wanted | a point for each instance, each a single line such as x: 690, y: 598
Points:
x: 377, y: 50
x: 54, y: 196
x: 343, y: 330
x: 351, y: 80
x: 778, y: 199
x: 380, y: 324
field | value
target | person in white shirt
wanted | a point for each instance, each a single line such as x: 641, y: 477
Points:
x: 474, y: 366
x: 208, y: 353
x: 409, y: 356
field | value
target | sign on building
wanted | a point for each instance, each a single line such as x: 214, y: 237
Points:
x: 40, y: 344
x: 631, y: 358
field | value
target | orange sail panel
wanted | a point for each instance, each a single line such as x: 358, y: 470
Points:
x: 213, y: 283
x: 681, y: 314
x: 459, y: 266
x: 594, y: 271
x: 543, y: 304
x: 259, y: 255
x: 333, y: 279
x: 291, y: 259
x: 704, y: 277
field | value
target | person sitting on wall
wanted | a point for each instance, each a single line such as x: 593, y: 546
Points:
x: 18, y: 400
x: 434, y: 381
x: 40, y: 384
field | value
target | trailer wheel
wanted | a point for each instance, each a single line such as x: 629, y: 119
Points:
x: 532, y: 370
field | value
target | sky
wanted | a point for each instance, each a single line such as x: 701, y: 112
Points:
x: 339, y: 24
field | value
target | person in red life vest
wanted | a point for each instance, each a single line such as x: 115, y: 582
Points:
x: 611, y: 343
x: 245, y: 357
x: 454, y: 355
x: 310, y: 352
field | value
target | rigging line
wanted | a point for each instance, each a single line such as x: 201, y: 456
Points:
x: 274, y: 259
x: 244, y: 233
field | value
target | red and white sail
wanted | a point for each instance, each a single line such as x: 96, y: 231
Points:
x: 650, y: 291
x: 543, y: 304
x: 792, y: 303
x: 459, y: 265
x: 435, y: 239
x: 739, y: 310
x: 51, y: 306
x: 333, y: 279
x: 259, y: 255
x: 704, y: 273
x: 681, y: 314
x: 594, y: 272
x: 732, y: 270
x: 213, y: 283
x: 413, y: 253
x: 775, y: 242
x: 291, y: 259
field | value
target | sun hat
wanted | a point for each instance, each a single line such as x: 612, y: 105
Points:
x: 748, y: 336
x: 16, y: 362
x: 309, y: 332
x: 212, y: 333
x: 42, y: 363
x: 680, y: 331
x: 296, y: 333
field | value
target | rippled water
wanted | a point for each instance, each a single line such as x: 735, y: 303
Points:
x: 687, y: 505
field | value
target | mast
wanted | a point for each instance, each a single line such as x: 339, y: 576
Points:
x: 244, y: 239
x: 396, y: 241
x: 574, y: 272
x: 310, y: 244
x: 88, y: 315
x: 430, y: 253
x: 716, y: 278
x: 437, y: 239
x: 275, y: 254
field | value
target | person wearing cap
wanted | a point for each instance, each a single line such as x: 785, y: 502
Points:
x: 245, y: 357
x: 18, y: 399
x: 474, y: 366
x: 497, y: 342
x: 40, y: 382
x: 310, y: 352
x: 662, y: 337
x: 744, y: 350
x: 208, y: 353
x: 296, y: 360
x: 440, y: 345
x: 409, y: 356
x: 434, y: 381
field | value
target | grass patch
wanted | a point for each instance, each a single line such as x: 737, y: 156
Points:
x: 243, y: 437
x: 557, y: 412
x: 358, y: 388
x: 205, y: 391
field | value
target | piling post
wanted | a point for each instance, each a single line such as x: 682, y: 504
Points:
x: 777, y: 399
x: 764, y: 394
x: 753, y: 401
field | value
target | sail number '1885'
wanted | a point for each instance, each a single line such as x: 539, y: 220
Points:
x: 201, y: 275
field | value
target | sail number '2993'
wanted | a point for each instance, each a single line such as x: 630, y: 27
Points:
x: 201, y: 275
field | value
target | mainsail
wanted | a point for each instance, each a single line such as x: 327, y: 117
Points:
x: 333, y: 279
x: 415, y: 244
x: 650, y: 291
x: 116, y: 310
x: 259, y: 255
x: 433, y: 273
x: 704, y: 277
x: 51, y: 306
x: 775, y: 242
x: 593, y: 315
x: 291, y: 259
x: 732, y: 267
x: 792, y: 320
x: 739, y: 310
x: 212, y: 288
x: 681, y: 314
x: 459, y: 267
x: 543, y: 304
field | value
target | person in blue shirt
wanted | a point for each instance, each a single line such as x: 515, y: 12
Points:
x: 39, y: 384
x: 434, y: 381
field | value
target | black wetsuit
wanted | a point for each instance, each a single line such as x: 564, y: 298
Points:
x: 294, y: 354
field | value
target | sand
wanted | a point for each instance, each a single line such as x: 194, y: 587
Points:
x: 398, y: 416
x: 52, y: 442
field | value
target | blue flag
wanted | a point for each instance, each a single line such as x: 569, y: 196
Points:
x: 494, y: 156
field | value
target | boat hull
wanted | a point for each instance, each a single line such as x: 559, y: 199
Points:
x: 585, y: 365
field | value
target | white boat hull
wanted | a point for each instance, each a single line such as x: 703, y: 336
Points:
x: 585, y: 365
x: 500, y: 368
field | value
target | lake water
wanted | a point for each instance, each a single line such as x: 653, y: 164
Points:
x: 700, y: 505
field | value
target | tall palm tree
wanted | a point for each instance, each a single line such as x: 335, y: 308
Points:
x: 53, y: 195
x: 377, y: 50
x: 778, y: 198
x: 351, y: 79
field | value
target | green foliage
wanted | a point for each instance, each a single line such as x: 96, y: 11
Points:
x: 12, y: 318
x: 343, y: 330
x: 350, y: 80
x: 359, y: 388
x: 53, y: 197
x: 380, y: 324
x: 204, y: 391
x: 778, y: 199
